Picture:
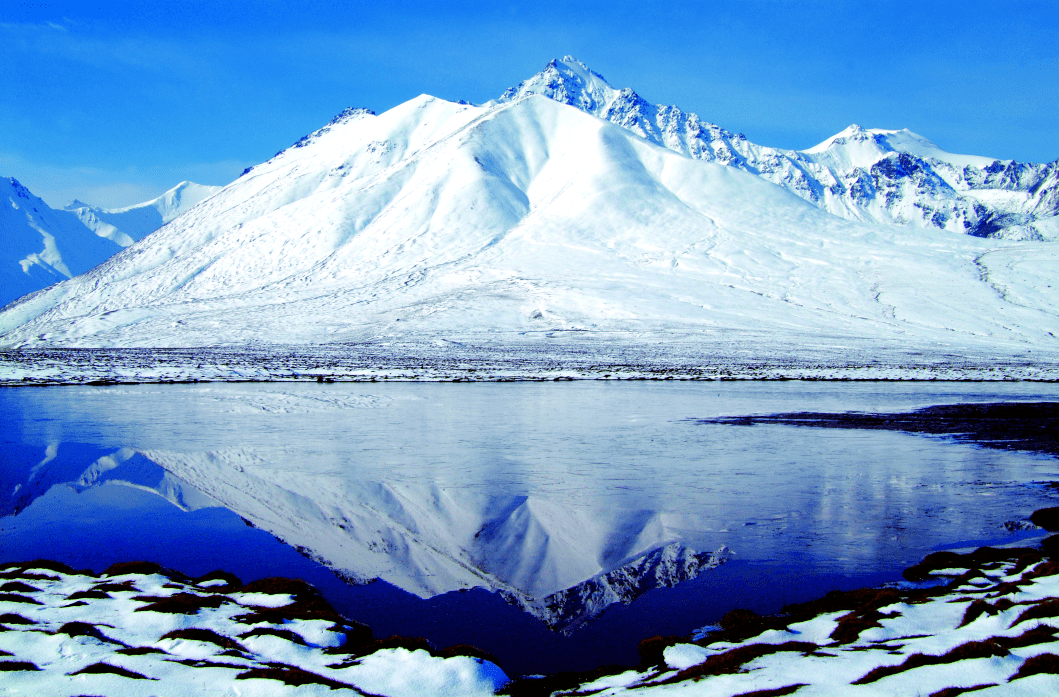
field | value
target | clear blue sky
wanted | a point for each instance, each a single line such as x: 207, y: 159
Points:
x: 114, y: 102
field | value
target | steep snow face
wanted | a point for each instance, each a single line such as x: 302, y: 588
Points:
x: 130, y: 224
x: 41, y: 246
x: 438, y: 218
x: 861, y: 174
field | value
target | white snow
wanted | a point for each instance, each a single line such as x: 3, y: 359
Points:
x: 438, y: 219
x: 43, y: 246
x: 888, y: 176
x: 57, y: 651
x: 930, y: 627
x: 126, y: 225
x: 860, y: 147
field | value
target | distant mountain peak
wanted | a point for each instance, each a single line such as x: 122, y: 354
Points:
x: 889, y: 176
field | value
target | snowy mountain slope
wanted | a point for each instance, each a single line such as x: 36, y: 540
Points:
x: 130, y: 224
x: 442, y: 219
x: 42, y: 246
x: 861, y: 174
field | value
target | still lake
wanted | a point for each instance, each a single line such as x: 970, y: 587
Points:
x: 553, y: 525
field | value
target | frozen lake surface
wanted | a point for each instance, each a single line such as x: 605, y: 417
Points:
x: 574, y: 518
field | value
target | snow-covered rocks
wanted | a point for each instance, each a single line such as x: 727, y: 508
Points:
x: 139, y: 628
x: 993, y: 628
x: 41, y: 246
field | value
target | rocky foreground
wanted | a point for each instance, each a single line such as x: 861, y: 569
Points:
x: 985, y: 621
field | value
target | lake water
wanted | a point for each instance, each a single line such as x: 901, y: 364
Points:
x: 553, y: 525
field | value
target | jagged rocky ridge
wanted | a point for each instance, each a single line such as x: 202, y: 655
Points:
x: 862, y: 174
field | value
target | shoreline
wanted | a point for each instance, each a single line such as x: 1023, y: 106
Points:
x: 194, y: 622
x: 487, y: 359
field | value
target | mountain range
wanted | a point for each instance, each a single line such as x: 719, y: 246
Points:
x: 569, y: 206
x: 862, y: 174
x: 43, y: 245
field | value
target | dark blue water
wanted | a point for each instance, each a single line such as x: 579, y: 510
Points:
x: 804, y: 512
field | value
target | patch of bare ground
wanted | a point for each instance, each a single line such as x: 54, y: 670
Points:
x: 358, y: 651
x: 84, y: 629
x: 733, y: 660
x: 308, y: 604
x: 291, y: 675
x: 88, y: 595
x: 17, y: 666
x: 980, y: 607
x: 111, y: 587
x: 41, y: 565
x: 144, y: 568
x: 231, y: 582
x: 1047, y: 608
x: 179, y: 603
x: 202, y: 663
x: 207, y: 636
x: 106, y: 668
x: 1041, y: 663
x: 986, y: 648
x: 272, y: 631
x: 953, y: 691
x: 18, y: 587
x: 775, y: 692
x: 140, y: 650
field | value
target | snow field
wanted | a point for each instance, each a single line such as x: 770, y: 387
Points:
x: 130, y: 633
x: 69, y: 633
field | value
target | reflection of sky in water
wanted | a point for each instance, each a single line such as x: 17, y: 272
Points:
x: 525, y: 488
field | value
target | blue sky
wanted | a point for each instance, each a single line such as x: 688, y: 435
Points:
x: 115, y: 102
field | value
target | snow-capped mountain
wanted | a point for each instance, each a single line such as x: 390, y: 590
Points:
x: 130, y: 224
x: 42, y: 246
x: 861, y: 174
x: 438, y: 219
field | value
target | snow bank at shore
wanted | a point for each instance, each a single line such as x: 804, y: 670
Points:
x: 985, y: 621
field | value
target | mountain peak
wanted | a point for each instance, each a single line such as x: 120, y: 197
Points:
x: 861, y: 147
x: 568, y: 81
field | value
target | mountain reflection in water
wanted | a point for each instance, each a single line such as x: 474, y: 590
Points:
x: 562, y: 499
